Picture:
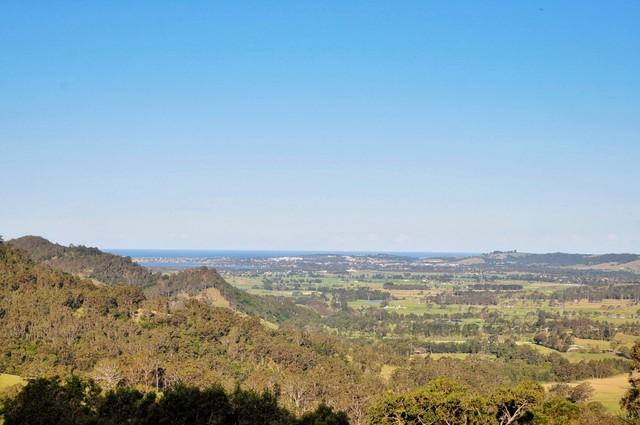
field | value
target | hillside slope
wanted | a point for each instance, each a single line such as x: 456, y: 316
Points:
x: 85, y: 261
x: 53, y: 323
x: 113, y: 269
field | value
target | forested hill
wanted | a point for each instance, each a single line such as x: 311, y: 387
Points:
x: 85, y: 261
x: 209, y: 285
x: 113, y: 269
x: 53, y: 323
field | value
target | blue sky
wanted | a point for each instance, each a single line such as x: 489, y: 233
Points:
x: 411, y: 125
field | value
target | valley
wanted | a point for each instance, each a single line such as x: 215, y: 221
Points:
x: 320, y: 336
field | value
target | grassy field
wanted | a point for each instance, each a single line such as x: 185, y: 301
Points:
x: 593, y: 344
x: 607, y: 391
x: 8, y: 381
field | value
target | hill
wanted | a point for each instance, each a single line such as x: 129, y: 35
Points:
x: 85, y: 261
x: 92, y: 263
x: 54, y: 323
x: 197, y: 281
x: 522, y: 261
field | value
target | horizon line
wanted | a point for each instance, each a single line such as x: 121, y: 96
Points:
x: 372, y: 251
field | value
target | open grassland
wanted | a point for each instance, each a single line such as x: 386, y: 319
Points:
x: 593, y: 344
x: 7, y: 381
x: 607, y: 391
x: 575, y: 357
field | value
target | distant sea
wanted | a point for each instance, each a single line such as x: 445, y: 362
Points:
x: 164, y: 257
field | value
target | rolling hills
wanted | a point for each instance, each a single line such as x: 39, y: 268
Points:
x: 54, y: 323
x: 105, y: 268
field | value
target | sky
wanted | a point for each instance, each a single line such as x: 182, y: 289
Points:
x: 459, y: 126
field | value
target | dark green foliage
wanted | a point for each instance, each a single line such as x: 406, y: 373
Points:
x: 324, y: 415
x: 631, y: 400
x: 47, y: 401
x: 76, y: 401
x: 126, y: 405
x: 253, y: 408
x: 186, y: 405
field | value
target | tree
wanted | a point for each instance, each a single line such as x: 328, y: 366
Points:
x: 441, y: 402
x: 594, y: 413
x: 324, y: 415
x: 126, y: 406
x: 183, y: 404
x: 558, y: 411
x: 250, y: 405
x: 49, y: 401
x: 561, y: 390
x: 581, y: 393
x: 631, y: 400
x: 108, y: 374
x: 77, y: 401
x: 577, y: 394
x: 517, y: 404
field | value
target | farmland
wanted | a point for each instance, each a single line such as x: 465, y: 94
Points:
x: 512, y: 314
x: 375, y: 290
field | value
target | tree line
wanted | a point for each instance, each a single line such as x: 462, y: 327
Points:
x: 50, y: 401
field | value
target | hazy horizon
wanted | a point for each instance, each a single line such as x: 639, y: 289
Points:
x: 124, y: 250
